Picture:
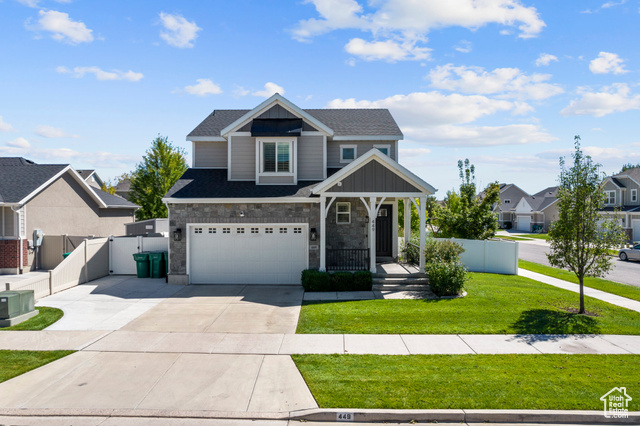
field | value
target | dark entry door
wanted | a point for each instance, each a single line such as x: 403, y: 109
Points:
x: 383, y: 231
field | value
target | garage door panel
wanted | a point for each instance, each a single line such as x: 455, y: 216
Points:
x: 524, y: 223
x: 249, y: 256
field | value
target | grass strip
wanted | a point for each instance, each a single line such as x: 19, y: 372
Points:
x: 532, y: 382
x: 612, y: 287
x: 14, y: 363
x: 495, y: 304
x: 44, y: 319
x: 505, y: 237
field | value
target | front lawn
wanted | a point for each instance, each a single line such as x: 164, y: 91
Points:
x: 508, y: 237
x: 612, y: 287
x: 495, y: 304
x: 15, y: 363
x: 539, y: 236
x: 44, y: 319
x: 533, y: 382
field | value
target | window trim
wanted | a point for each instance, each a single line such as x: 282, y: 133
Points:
x: 290, y: 142
x: 385, y: 146
x: 338, y: 212
x: 608, y: 198
x: 634, y: 196
x: 355, y: 153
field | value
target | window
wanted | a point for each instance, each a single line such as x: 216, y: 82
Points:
x: 226, y: 230
x: 382, y: 213
x: 240, y: 231
x: 268, y: 230
x: 343, y: 212
x: 634, y: 195
x: 283, y: 230
x: 297, y: 230
x: 383, y: 149
x: 276, y: 157
x: 212, y: 230
x: 254, y: 230
x: 507, y: 201
x: 348, y: 153
x: 197, y: 230
x: 610, y: 197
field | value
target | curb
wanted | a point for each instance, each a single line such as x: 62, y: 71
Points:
x: 350, y: 415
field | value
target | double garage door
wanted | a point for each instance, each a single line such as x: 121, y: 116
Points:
x: 247, y: 254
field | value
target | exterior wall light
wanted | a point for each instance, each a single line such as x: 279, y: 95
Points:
x: 366, y: 219
x: 313, y: 234
x: 241, y: 213
x: 177, y: 234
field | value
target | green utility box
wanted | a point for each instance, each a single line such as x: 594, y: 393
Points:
x: 64, y: 255
x: 157, y: 265
x: 142, y: 264
x: 16, y: 306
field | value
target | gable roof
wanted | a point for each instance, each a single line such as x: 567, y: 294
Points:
x: 338, y: 123
x: 633, y: 174
x: 113, y: 200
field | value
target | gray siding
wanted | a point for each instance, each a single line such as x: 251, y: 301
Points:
x: 243, y: 157
x: 514, y: 194
x: 333, y: 150
x: 627, y: 194
x: 310, y: 158
x: 210, y: 154
x: 374, y: 177
x: 276, y: 111
x: 275, y: 179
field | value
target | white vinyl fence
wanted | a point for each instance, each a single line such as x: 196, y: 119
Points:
x: 496, y: 257
x: 89, y: 261
x: 121, y: 250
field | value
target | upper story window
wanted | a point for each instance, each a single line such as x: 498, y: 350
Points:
x: 348, y: 153
x: 634, y: 195
x: 276, y: 157
x: 507, y: 201
x: 383, y: 149
x: 610, y: 197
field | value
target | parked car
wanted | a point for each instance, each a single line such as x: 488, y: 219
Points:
x: 632, y: 253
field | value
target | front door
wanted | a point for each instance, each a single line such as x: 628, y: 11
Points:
x: 383, y: 231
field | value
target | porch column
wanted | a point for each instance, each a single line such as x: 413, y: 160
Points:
x: 423, y: 225
x: 407, y: 221
x: 372, y: 234
x: 323, y: 232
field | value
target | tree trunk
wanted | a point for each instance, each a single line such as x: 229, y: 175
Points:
x: 582, y: 311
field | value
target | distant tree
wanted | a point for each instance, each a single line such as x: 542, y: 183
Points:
x: 415, y: 215
x: 159, y: 170
x: 628, y: 166
x: 110, y: 186
x: 581, y: 236
x: 464, y: 214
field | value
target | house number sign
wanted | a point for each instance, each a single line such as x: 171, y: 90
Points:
x: 344, y: 417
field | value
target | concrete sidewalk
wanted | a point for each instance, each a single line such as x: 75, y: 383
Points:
x: 623, y: 302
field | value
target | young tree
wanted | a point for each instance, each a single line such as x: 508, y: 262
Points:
x: 154, y: 176
x: 110, y: 186
x: 466, y: 215
x: 581, y: 236
x: 432, y: 204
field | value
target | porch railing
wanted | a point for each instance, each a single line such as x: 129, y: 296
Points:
x: 348, y: 259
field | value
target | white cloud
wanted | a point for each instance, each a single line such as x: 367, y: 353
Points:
x: 545, y: 59
x: 61, y: 27
x: 36, y: 3
x: 464, y: 46
x: 52, y: 132
x: 79, y: 72
x: 607, y: 63
x: 5, y: 127
x: 270, y: 89
x: 19, y: 143
x: 388, y: 50
x: 241, y: 91
x: 614, y: 98
x: 609, y: 4
x: 100, y: 159
x: 179, y: 32
x: 507, y: 82
x: 413, y: 152
x: 204, y: 87
x: 477, y: 136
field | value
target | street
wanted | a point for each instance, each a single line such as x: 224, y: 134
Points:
x: 622, y: 272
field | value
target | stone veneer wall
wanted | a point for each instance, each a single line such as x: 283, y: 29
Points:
x: 348, y: 236
x: 181, y: 214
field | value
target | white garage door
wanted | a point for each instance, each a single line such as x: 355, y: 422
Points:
x: 524, y: 223
x: 635, y: 225
x: 247, y: 254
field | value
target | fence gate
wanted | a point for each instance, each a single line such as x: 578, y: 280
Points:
x: 121, y: 250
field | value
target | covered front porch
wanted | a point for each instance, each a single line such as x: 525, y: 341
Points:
x: 359, y: 213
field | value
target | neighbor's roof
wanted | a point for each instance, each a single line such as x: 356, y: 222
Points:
x: 551, y: 191
x: 123, y: 186
x: 19, y: 177
x: 633, y: 173
x: 112, y: 200
x: 85, y: 174
x: 343, y: 122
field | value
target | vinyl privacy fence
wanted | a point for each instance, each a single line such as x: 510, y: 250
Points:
x: 496, y: 257
x: 122, y: 249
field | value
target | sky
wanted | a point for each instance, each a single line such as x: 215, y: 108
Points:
x: 504, y: 83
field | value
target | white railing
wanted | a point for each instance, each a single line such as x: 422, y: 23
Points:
x: 89, y: 261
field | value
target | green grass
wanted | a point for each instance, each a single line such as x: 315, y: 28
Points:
x: 539, y: 236
x: 495, y: 304
x: 44, y: 319
x: 505, y: 237
x: 553, y: 382
x: 612, y: 287
x: 14, y: 363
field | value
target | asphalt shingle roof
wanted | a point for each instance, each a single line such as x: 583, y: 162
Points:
x: 112, y: 200
x: 20, y: 177
x: 343, y: 122
x: 633, y: 173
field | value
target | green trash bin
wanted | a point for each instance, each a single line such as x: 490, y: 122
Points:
x: 142, y: 264
x: 64, y: 255
x: 156, y: 264
x: 165, y: 258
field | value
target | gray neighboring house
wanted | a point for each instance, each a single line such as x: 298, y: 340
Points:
x: 55, y: 199
x: 621, y: 199
x: 279, y: 189
x: 123, y: 188
x: 91, y: 178
x: 524, y: 212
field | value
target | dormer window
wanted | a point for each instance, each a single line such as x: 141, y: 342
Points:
x: 348, y: 153
x: 276, y: 157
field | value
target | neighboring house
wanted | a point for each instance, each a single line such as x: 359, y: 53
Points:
x: 91, y: 178
x: 123, y: 188
x: 55, y: 199
x: 278, y: 189
x: 622, y: 192
x: 524, y: 212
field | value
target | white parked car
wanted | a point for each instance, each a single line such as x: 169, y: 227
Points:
x: 632, y: 253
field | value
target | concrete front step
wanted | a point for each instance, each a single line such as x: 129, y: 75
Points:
x: 401, y: 287
x: 400, y: 280
x: 398, y: 275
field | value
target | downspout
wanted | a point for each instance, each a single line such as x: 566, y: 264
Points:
x: 19, y: 242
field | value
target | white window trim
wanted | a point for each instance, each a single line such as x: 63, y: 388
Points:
x: 388, y: 147
x: 338, y: 213
x: 292, y: 156
x: 607, y: 201
x: 355, y: 153
x: 634, y: 195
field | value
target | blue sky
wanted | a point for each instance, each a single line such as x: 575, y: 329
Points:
x: 505, y: 83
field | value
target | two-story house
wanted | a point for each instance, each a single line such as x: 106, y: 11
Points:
x: 523, y: 212
x: 622, y: 199
x: 279, y: 189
